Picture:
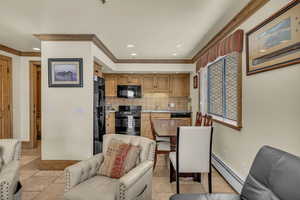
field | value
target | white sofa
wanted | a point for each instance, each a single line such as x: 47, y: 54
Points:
x: 83, y: 183
x: 10, y: 150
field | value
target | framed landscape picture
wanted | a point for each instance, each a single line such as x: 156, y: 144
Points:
x: 275, y: 43
x: 65, y: 72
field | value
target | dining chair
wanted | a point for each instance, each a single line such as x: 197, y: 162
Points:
x: 162, y: 146
x: 203, y: 120
x: 193, y: 152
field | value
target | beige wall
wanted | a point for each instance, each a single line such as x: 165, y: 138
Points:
x: 20, y: 78
x: 271, y: 111
x: 67, y: 113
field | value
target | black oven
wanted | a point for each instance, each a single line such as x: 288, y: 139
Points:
x: 129, y: 91
x: 128, y: 120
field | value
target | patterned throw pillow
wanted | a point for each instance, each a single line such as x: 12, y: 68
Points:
x: 119, y: 159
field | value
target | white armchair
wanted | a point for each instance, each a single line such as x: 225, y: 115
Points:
x: 83, y: 183
x: 10, y: 150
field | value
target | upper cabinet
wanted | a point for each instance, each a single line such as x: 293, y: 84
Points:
x: 174, y: 85
x: 110, y: 85
x: 156, y: 83
x: 180, y: 84
x: 97, y: 70
x: 126, y: 79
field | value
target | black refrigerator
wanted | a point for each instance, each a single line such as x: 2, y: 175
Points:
x: 99, y: 114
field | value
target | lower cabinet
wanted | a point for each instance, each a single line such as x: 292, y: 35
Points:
x: 146, y: 126
x: 110, y: 123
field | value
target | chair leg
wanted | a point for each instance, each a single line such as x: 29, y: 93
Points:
x: 171, y: 172
x: 155, y: 159
x: 177, y: 181
x: 209, y: 183
x: 197, y: 177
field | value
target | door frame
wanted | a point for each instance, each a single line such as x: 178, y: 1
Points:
x: 9, y: 61
x: 32, y: 83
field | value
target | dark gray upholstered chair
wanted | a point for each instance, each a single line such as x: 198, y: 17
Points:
x: 274, y: 175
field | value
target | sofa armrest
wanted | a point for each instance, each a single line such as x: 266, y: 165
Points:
x: 9, y: 178
x: 136, y: 182
x: 82, y: 171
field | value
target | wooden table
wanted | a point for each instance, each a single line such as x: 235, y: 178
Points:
x: 168, y: 128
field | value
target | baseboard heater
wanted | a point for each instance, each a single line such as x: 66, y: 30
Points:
x: 230, y: 176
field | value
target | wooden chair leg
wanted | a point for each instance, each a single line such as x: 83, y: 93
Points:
x: 171, y: 172
x: 209, y: 183
x: 197, y: 177
x: 177, y: 182
x: 155, y: 159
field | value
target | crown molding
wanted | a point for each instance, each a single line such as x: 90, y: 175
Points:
x: 19, y: 53
x: 156, y: 61
x: 93, y: 38
x: 236, y: 21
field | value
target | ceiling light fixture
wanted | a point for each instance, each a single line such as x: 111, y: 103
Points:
x: 133, y: 54
x: 36, y: 49
x: 130, y: 45
x: 174, y: 54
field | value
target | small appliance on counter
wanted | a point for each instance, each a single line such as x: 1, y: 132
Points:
x: 129, y: 91
x: 128, y: 120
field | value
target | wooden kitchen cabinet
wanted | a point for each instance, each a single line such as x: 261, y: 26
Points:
x: 156, y: 83
x: 156, y: 115
x: 146, y: 126
x: 110, y: 85
x: 180, y: 85
x: 128, y: 79
x: 162, y: 83
x: 148, y: 83
x: 97, y: 70
x: 110, y: 123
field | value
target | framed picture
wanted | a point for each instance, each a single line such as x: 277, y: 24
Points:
x: 275, y: 43
x: 195, y: 81
x: 65, y: 72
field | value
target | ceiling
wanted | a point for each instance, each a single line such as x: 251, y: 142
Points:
x: 158, y: 29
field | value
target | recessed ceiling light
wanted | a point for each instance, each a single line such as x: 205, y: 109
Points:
x: 262, y: 50
x: 130, y: 45
x: 133, y: 54
x: 36, y: 49
x: 174, y: 54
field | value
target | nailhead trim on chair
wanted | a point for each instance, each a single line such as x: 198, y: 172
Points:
x: 68, y: 181
x: 4, y: 187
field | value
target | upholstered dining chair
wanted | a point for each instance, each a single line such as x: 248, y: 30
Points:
x: 162, y: 146
x: 193, y: 152
x: 10, y: 150
x: 84, y: 183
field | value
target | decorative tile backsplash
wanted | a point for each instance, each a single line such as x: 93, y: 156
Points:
x: 155, y: 101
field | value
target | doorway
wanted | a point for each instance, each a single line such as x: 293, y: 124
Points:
x: 35, y: 103
x: 5, y: 97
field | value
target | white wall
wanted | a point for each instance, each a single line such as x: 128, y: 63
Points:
x: 67, y: 113
x: 149, y: 68
x: 20, y: 79
x: 271, y: 111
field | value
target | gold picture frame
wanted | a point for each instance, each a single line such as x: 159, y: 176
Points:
x: 275, y: 43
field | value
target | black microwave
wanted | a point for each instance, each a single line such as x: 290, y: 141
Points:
x: 129, y: 91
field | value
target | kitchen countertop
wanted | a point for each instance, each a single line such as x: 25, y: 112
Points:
x: 156, y: 111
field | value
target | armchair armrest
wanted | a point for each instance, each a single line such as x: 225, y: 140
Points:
x: 82, y: 171
x: 136, y: 182
x: 9, y: 178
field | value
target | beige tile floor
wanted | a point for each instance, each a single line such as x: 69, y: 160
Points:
x: 49, y: 185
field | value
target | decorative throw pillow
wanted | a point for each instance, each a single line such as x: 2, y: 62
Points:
x: 119, y: 159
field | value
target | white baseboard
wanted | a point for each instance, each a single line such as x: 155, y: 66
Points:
x: 231, y: 177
